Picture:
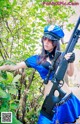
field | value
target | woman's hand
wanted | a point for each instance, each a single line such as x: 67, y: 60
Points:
x: 70, y: 57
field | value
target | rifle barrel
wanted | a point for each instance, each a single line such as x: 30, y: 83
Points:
x: 73, y: 35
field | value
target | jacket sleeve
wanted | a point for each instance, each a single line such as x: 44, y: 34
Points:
x: 31, y: 61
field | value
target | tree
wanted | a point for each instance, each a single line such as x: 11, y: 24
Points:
x: 21, y: 27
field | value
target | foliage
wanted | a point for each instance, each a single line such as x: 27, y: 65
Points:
x: 21, y: 26
x: 6, y: 102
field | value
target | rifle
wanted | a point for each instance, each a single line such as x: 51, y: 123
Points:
x: 51, y: 100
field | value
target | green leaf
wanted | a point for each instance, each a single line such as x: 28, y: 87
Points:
x: 4, y: 95
x: 2, y: 86
x: 16, y: 78
x: 13, y: 91
x: 3, y: 74
x: 13, y: 106
x: 8, y: 62
x: 9, y: 77
x: 14, y: 120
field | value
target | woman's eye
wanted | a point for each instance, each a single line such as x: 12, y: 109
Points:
x: 45, y: 38
x: 49, y: 40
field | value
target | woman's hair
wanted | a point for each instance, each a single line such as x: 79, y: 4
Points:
x: 43, y: 54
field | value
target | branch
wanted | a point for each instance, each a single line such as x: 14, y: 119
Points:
x: 22, y: 106
x: 2, y: 54
x: 11, y: 35
x: 8, y: 27
x: 4, y: 49
x: 31, y: 79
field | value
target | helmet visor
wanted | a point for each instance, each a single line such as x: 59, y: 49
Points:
x: 52, y: 38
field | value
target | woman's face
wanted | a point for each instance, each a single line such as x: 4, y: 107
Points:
x: 48, y: 45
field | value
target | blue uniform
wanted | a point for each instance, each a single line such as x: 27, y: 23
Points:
x: 41, y: 68
x: 68, y: 111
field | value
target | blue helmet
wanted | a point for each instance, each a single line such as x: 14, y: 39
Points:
x: 53, y: 32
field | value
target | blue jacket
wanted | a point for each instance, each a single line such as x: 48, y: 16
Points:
x: 43, y: 68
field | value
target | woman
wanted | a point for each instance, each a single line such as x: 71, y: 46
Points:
x: 50, y: 44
